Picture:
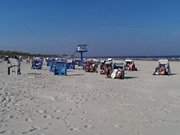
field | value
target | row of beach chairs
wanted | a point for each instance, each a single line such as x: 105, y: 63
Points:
x: 113, y: 69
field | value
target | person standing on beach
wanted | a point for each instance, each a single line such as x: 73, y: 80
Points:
x: 14, y: 62
x: 18, y: 65
x: 109, y: 70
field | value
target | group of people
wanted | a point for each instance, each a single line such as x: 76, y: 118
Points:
x: 130, y: 66
x: 91, y: 66
x: 106, y: 68
x: 112, y: 70
x: 163, y: 68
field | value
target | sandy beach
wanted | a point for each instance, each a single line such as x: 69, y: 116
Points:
x: 39, y: 103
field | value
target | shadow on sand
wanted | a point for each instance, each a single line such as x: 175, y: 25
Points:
x: 126, y: 77
x: 172, y: 74
x: 75, y: 75
x: 33, y: 73
x: 129, y: 77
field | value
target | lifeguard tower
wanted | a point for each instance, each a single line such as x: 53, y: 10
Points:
x: 82, y: 48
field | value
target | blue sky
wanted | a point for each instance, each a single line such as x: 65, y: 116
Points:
x: 109, y: 27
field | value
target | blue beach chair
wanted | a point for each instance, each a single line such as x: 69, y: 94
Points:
x: 37, y: 64
x: 60, y: 68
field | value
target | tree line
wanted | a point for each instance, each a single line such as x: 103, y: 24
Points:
x: 26, y: 54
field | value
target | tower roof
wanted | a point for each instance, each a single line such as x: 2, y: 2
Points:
x: 82, y: 48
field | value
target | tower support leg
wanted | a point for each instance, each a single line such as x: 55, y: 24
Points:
x: 81, y: 58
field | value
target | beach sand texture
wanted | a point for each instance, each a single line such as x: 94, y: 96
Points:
x: 39, y: 103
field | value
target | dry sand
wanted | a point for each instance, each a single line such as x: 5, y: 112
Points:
x: 39, y: 103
